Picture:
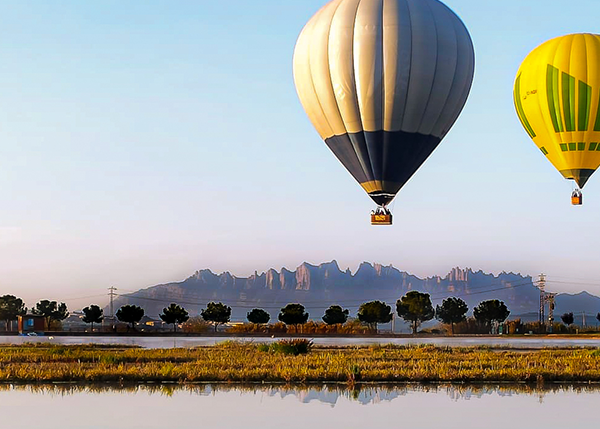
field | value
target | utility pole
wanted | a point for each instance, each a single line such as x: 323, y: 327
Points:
x: 112, y: 295
x: 541, y: 284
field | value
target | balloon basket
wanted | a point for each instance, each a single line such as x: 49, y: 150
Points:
x: 577, y: 198
x: 381, y: 219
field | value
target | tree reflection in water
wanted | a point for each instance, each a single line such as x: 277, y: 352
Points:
x: 328, y: 394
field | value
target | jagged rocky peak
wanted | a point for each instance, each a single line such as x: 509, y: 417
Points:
x: 365, y: 269
x: 287, y: 279
x: 272, y: 280
x: 459, y: 275
x: 330, y: 266
x: 385, y: 271
x: 303, y: 276
x: 204, y: 275
x: 330, y: 270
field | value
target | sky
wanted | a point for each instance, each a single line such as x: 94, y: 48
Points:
x: 141, y: 141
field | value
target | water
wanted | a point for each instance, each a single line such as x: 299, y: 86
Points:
x: 171, y: 342
x: 149, y: 407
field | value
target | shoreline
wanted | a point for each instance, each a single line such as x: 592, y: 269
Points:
x: 225, y: 335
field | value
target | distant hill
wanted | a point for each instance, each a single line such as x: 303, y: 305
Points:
x: 319, y: 286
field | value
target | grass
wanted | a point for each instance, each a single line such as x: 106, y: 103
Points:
x: 288, y: 347
x: 233, y: 362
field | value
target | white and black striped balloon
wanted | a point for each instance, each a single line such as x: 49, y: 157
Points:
x: 383, y: 81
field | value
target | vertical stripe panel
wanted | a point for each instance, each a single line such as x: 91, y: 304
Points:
x: 423, y: 63
x: 319, y: 65
x: 368, y: 63
x: 445, y: 66
x: 397, y: 47
x: 585, y: 103
x: 304, y: 83
x: 568, y: 98
x: 597, y: 124
x: 553, y: 98
x: 341, y: 64
x: 593, y: 72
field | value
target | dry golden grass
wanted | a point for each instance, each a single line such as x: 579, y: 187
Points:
x: 246, y: 363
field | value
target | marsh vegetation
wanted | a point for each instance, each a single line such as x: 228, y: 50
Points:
x: 254, y: 363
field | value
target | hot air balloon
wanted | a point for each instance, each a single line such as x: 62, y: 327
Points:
x: 383, y: 81
x: 557, y: 98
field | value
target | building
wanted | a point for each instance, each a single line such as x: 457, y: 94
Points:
x: 32, y: 323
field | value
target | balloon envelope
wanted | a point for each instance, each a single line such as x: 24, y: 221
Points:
x: 557, y: 98
x: 383, y: 81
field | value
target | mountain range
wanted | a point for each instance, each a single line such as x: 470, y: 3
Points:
x: 319, y: 286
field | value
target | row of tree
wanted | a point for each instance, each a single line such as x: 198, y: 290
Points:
x: 414, y: 307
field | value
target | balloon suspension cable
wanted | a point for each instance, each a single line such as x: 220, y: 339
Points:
x: 382, y: 210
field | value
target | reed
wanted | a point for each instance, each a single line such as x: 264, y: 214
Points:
x: 252, y: 363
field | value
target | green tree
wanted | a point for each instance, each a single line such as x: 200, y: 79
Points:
x: 51, y: 310
x: 491, y: 311
x: 374, y: 312
x: 131, y: 314
x: 293, y: 314
x: 568, y: 318
x: 11, y: 308
x: 416, y: 308
x: 335, y: 315
x: 93, y: 314
x: 217, y: 313
x: 452, y: 310
x: 258, y: 316
x: 174, y: 314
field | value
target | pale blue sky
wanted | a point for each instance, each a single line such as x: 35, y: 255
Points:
x: 143, y: 140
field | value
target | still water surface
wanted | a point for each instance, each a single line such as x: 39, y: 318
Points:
x: 69, y: 407
x: 170, y: 342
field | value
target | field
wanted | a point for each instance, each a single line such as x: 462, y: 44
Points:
x: 250, y: 363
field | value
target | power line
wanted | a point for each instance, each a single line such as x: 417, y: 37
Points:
x: 573, y: 283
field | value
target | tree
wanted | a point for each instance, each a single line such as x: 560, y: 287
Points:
x: 131, y: 314
x: 11, y: 307
x: 416, y: 308
x: 452, y: 310
x: 217, y: 313
x: 51, y: 310
x: 174, y: 314
x: 293, y: 314
x: 374, y: 312
x: 258, y: 316
x: 335, y: 315
x: 93, y: 314
x: 568, y: 318
x: 491, y: 311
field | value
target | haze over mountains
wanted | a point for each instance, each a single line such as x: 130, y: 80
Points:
x: 317, y: 287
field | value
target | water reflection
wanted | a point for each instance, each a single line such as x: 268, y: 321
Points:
x: 329, y: 394
x: 277, y: 407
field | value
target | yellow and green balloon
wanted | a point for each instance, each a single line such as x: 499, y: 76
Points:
x: 557, y: 98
